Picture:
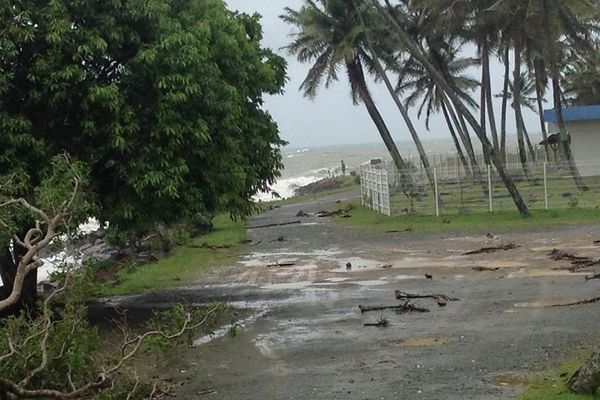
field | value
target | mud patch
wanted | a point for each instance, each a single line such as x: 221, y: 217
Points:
x: 542, y: 272
x: 545, y: 303
x: 512, y: 380
x: 421, y: 342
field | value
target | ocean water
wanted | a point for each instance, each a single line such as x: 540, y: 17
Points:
x: 303, y: 166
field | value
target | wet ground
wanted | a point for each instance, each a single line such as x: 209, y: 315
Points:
x: 302, y: 334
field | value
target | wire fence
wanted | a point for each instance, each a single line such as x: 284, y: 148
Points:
x: 456, y: 190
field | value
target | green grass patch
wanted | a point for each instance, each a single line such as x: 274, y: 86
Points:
x: 364, y: 218
x: 552, y: 385
x: 185, y: 264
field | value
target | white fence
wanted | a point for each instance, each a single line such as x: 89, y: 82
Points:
x: 375, y: 188
x: 543, y: 186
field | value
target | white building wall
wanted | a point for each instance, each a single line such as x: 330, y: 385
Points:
x: 585, y: 144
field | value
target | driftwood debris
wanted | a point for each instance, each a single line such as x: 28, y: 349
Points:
x: 400, y: 295
x: 481, y: 269
x: 274, y: 225
x: 494, y: 249
x: 401, y: 308
x: 590, y: 277
x: 210, y: 247
x: 338, y: 212
x: 283, y: 264
x: 381, y: 323
x: 577, y: 262
x: 579, y: 303
x: 428, y: 276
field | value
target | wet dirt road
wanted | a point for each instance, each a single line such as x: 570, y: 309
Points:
x: 305, y: 339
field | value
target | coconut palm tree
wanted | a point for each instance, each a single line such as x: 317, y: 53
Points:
x: 377, y: 69
x: 418, y: 87
x: 561, y: 22
x: 413, y: 48
x: 528, y: 99
x: 330, y: 37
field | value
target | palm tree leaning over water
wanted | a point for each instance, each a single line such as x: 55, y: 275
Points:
x: 330, y: 36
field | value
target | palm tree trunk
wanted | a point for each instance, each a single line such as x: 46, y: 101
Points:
x: 413, y: 48
x: 488, y: 92
x: 527, y: 138
x: 505, y: 102
x: 482, y: 109
x: 459, y: 151
x: 461, y: 128
x: 517, y: 107
x: 539, y: 94
x: 357, y: 76
x: 399, y: 105
x: 565, y: 144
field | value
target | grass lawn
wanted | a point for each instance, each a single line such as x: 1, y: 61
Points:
x: 365, y: 218
x: 552, y: 384
x: 185, y: 264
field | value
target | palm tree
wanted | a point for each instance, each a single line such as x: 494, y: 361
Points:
x: 528, y: 99
x: 377, y: 69
x: 414, y: 50
x: 330, y: 37
x: 582, y: 79
x: 562, y: 22
x: 418, y: 86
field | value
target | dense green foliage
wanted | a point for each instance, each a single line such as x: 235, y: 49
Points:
x: 161, y: 99
x: 60, y: 350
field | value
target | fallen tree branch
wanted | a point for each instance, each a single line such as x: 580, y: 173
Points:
x: 486, y: 250
x: 579, y: 303
x: 402, y: 308
x: 481, y: 269
x: 275, y: 225
x: 577, y: 262
x: 400, y: 295
x: 589, y: 278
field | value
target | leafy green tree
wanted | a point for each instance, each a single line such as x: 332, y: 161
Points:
x: 161, y: 99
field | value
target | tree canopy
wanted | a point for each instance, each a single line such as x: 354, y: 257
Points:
x: 162, y: 99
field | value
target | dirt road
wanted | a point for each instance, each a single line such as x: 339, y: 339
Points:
x: 305, y: 338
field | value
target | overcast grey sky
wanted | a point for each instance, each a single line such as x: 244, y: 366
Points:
x: 331, y: 118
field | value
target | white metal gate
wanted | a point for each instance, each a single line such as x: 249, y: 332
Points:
x: 375, y: 189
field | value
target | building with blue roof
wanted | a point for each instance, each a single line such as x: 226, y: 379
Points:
x: 583, y: 125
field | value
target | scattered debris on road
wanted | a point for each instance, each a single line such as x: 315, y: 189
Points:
x: 481, y: 269
x: 381, y: 323
x: 348, y: 266
x: 401, y: 308
x: 579, y: 303
x: 590, y: 277
x: 339, y: 212
x: 274, y: 225
x: 386, y: 266
x: 283, y: 264
x: 577, y: 262
x: 486, y: 250
x: 428, y: 275
x: 400, y: 295
x: 302, y: 214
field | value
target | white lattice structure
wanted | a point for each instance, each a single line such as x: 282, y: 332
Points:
x: 375, y: 188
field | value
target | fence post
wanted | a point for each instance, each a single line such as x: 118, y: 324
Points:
x: 435, y: 185
x: 489, y: 171
x: 545, y: 187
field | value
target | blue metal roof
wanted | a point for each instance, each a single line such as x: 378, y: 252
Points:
x: 571, y: 114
